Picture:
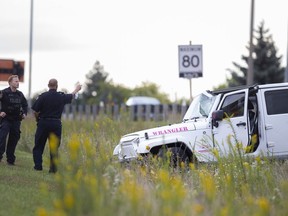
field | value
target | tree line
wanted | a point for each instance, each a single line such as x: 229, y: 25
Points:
x: 98, y: 88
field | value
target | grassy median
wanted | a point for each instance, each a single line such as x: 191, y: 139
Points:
x: 91, y: 182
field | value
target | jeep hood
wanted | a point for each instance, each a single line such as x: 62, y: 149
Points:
x: 161, y: 131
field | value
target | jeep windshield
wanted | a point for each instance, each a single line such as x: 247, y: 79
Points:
x: 200, y: 106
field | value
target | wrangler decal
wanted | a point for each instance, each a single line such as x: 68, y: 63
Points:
x: 169, y: 131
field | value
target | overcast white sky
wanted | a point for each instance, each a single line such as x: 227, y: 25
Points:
x: 135, y: 40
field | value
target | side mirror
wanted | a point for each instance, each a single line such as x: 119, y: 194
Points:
x: 217, y: 116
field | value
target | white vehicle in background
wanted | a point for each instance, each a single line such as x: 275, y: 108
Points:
x: 255, y: 117
x: 142, y: 103
x: 142, y: 100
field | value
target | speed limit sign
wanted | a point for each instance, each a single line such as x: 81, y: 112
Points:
x: 190, y: 61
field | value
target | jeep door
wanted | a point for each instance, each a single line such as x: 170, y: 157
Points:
x: 234, y: 127
x: 276, y: 119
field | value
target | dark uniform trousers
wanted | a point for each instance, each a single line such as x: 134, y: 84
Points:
x: 46, y: 127
x: 13, y: 129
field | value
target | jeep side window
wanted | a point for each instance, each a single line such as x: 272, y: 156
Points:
x: 276, y: 101
x: 233, y: 105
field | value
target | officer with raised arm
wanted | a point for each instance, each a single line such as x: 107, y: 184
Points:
x: 48, y: 109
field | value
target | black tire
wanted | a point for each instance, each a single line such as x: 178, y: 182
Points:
x: 178, y: 156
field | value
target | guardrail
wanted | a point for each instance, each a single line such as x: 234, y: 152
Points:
x: 140, y: 112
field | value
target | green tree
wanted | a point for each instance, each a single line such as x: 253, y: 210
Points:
x: 98, y: 88
x: 220, y: 86
x: 96, y: 83
x: 267, y: 68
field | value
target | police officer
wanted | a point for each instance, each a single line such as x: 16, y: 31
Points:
x: 48, y: 109
x: 13, y: 110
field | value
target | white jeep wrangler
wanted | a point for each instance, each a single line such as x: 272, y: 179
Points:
x: 255, y: 117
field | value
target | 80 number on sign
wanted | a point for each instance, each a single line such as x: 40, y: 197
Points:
x: 194, y: 61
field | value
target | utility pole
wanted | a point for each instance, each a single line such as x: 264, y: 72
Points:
x: 190, y: 80
x: 30, y: 55
x: 250, y: 72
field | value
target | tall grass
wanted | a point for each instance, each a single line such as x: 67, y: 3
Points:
x: 91, y: 182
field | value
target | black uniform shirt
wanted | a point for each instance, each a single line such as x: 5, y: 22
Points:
x: 13, y: 104
x: 51, y: 104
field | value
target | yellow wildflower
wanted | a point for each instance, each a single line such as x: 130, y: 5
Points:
x: 215, y: 152
x: 264, y: 205
x: 246, y: 164
x: 53, y: 143
x: 69, y: 200
x: 208, y: 185
x: 198, y: 208
x: 192, y: 166
x: 42, y: 212
x: 224, y: 211
x: 57, y: 203
x: 258, y: 160
x: 74, y: 146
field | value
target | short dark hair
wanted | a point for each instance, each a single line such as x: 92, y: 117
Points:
x: 12, y: 77
x: 53, y: 83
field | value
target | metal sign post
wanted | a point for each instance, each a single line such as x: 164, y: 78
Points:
x: 30, y: 55
x: 190, y: 62
x: 190, y: 84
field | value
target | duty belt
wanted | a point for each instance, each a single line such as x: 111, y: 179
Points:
x: 50, y: 119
